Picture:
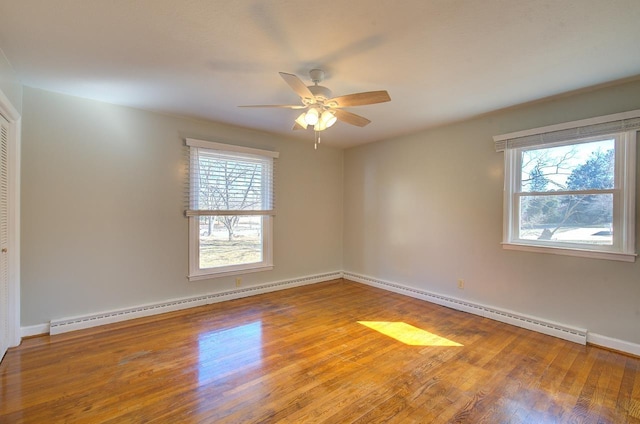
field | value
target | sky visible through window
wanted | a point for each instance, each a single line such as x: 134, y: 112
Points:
x: 556, y: 164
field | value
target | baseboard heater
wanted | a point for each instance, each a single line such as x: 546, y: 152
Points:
x: 80, y: 322
x: 577, y: 335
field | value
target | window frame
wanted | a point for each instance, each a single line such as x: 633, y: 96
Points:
x: 195, y: 272
x: 624, y: 192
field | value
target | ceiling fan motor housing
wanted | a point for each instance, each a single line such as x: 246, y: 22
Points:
x: 320, y: 91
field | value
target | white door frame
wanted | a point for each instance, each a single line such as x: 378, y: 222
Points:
x: 13, y: 152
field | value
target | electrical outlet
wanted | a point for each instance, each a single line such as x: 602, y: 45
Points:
x: 461, y: 284
x: 238, y: 281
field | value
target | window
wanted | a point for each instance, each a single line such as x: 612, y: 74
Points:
x: 231, y: 208
x: 570, y: 188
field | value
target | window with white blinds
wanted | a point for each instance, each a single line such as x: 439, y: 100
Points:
x: 231, y: 206
x: 570, y: 188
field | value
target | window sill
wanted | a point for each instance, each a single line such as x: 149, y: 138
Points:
x: 593, y: 254
x: 212, y: 275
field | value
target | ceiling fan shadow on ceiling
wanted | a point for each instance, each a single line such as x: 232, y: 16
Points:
x: 320, y: 109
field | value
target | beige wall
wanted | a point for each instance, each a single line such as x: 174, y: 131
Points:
x: 9, y: 84
x: 426, y: 209
x: 102, y: 207
x: 103, y: 225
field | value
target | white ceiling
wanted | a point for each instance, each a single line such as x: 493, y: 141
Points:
x: 440, y: 60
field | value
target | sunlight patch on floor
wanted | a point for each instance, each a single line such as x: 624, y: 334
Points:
x: 408, y: 334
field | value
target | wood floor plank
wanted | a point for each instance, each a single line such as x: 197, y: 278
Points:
x: 301, y: 356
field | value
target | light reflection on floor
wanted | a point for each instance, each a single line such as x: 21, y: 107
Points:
x: 223, y: 352
x: 408, y: 334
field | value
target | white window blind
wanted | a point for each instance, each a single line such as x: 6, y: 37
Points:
x: 619, y: 122
x: 230, y: 180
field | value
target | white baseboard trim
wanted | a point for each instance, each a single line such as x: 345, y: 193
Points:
x: 64, y: 325
x: 615, y: 344
x: 577, y: 335
x: 34, y: 330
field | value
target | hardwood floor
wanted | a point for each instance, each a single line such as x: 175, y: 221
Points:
x: 301, y: 356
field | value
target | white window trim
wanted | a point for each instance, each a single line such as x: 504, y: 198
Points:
x: 195, y: 272
x: 624, y: 221
x: 191, y: 142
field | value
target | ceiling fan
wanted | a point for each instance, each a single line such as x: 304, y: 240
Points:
x: 321, y: 109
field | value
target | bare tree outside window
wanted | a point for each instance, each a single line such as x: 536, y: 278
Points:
x: 567, y: 190
x: 229, y: 184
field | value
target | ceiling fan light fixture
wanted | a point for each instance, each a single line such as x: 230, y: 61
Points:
x: 328, y: 118
x: 300, y: 120
x: 311, y: 117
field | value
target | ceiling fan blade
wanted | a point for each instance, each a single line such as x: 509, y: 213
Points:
x: 297, y: 85
x: 279, y: 106
x: 350, y: 118
x: 361, y: 99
